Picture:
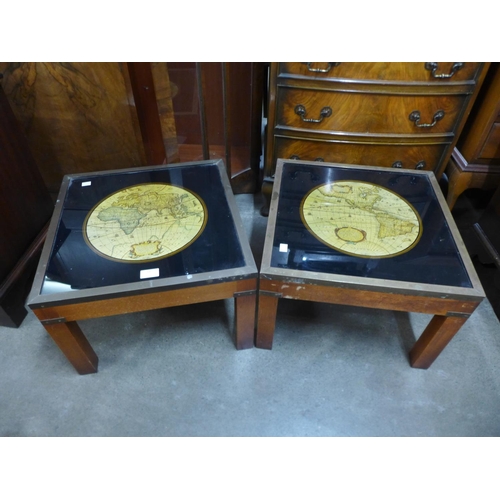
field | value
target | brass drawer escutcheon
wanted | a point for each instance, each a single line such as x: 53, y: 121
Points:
x: 296, y: 157
x: 321, y: 70
x: 419, y: 166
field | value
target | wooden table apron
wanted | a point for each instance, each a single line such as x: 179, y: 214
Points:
x: 449, y: 314
x: 60, y: 320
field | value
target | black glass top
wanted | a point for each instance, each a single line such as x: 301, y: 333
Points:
x: 384, y: 224
x: 123, y: 227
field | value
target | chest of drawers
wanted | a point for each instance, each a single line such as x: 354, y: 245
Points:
x: 399, y: 115
x: 475, y: 161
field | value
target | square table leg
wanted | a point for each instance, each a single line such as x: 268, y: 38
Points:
x: 244, y: 306
x: 435, y: 338
x: 74, y: 345
x: 266, y: 319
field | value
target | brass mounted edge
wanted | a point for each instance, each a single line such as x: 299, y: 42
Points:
x: 271, y: 294
x: 242, y: 294
x: 458, y: 314
x: 53, y: 321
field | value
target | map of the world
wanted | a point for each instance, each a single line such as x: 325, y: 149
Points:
x: 362, y: 219
x: 145, y: 222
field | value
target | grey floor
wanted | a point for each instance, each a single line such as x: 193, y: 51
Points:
x: 333, y: 371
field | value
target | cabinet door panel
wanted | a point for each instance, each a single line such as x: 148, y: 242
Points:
x: 25, y: 204
x: 367, y: 113
x: 387, y: 71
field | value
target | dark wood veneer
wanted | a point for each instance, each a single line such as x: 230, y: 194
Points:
x: 25, y: 207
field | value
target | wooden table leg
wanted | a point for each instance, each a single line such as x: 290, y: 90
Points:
x: 74, y: 346
x: 244, y: 306
x: 266, y: 320
x: 436, y: 336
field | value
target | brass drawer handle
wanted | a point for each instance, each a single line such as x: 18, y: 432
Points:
x: 324, y: 113
x: 415, y: 117
x: 432, y: 67
x: 419, y: 166
x: 321, y: 70
x: 295, y: 157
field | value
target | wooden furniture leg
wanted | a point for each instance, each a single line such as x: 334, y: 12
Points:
x: 463, y: 176
x: 244, y: 306
x: 435, y: 338
x: 74, y: 345
x: 266, y: 320
x: 458, y: 182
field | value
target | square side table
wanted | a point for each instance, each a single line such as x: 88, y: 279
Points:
x: 139, y: 239
x: 370, y: 237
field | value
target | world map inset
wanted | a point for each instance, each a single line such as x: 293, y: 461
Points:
x: 145, y: 222
x: 361, y: 219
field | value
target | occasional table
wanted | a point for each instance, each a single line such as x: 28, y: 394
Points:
x: 366, y: 236
x: 139, y: 239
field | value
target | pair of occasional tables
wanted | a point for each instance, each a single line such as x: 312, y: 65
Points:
x: 147, y: 238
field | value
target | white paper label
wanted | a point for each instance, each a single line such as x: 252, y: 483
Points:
x: 283, y: 247
x: 86, y: 183
x: 150, y: 273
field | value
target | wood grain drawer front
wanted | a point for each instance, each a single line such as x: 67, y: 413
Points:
x: 367, y: 112
x: 380, y: 155
x: 404, y: 72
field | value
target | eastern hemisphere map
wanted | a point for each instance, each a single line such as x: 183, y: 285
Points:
x: 361, y: 219
x: 145, y: 222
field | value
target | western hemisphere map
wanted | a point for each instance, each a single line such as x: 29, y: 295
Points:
x: 361, y: 219
x: 145, y: 222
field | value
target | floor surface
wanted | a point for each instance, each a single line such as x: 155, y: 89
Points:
x: 333, y: 371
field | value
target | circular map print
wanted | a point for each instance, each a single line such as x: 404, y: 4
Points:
x: 362, y: 219
x: 145, y: 222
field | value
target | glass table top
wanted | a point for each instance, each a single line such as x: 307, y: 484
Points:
x: 122, y: 227
x: 371, y: 223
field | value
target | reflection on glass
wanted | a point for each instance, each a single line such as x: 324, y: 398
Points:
x: 359, y: 212
x: 146, y: 220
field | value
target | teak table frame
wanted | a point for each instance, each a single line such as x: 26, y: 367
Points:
x: 451, y: 306
x: 60, y: 312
